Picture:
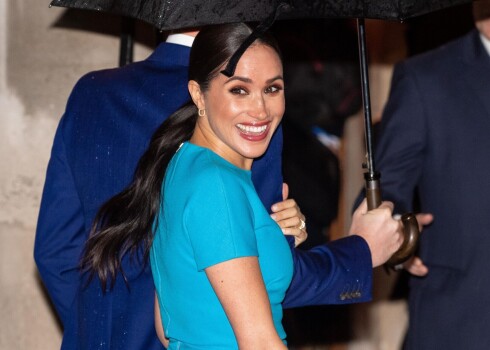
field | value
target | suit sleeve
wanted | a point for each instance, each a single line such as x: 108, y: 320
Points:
x: 339, y: 272
x: 60, y: 233
x: 401, y: 149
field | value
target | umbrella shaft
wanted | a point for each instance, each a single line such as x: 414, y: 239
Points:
x: 361, y: 32
x: 126, y: 46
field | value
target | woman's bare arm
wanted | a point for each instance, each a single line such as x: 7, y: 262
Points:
x: 240, y: 288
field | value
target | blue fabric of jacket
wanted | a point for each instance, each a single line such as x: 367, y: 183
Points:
x: 109, y: 119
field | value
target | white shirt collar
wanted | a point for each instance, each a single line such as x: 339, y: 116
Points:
x: 486, y: 43
x: 180, y: 39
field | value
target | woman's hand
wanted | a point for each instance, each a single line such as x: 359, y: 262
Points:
x: 289, y: 217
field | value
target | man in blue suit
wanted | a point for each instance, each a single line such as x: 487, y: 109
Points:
x: 435, y: 142
x: 109, y: 119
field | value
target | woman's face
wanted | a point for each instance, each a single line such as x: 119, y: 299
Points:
x: 242, y: 112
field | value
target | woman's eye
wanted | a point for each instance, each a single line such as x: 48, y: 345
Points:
x: 238, y: 91
x: 273, y: 89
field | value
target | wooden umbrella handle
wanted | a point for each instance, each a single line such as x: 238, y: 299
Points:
x: 411, y: 235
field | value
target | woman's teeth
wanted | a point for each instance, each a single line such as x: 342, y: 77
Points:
x: 252, y: 129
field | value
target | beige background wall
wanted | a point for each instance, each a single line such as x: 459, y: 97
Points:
x: 39, y: 64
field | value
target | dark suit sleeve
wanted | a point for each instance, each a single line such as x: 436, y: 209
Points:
x: 401, y: 149
x: 339, y: 272
x: 60, y: 230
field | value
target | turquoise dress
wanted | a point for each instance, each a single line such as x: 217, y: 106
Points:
x: 211, y: 214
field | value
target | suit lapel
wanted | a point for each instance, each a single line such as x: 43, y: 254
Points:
x: 477, y: 70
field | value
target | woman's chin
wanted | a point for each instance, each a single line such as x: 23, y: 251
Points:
x: 254, y: 153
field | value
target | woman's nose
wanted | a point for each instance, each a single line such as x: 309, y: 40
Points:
x: 259, y: 110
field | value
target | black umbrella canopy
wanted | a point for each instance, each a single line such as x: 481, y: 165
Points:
x: 166, y: 15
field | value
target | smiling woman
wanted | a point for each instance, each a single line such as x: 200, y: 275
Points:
x: 220, y: 263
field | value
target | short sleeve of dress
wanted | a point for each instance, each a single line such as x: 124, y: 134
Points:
x: 219, y: 219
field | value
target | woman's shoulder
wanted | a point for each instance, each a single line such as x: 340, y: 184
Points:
x: 198, y: 176
x: 203, y: 166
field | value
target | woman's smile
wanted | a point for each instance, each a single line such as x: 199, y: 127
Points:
x: 253, y: 131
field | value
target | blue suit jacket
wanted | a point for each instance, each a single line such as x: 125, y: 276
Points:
x: 110, y: 117
x: 435, y: 140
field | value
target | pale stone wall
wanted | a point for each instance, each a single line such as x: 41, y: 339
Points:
x: 39, y: 64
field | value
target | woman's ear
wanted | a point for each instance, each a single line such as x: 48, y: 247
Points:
x: 196, y: 94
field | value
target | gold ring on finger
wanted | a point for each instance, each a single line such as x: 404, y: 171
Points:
x: 303, y: 224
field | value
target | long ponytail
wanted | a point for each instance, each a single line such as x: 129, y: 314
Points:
x: 125, y: 222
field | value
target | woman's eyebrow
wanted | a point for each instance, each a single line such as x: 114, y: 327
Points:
x: 235, y: 77
x: 248, y: 80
